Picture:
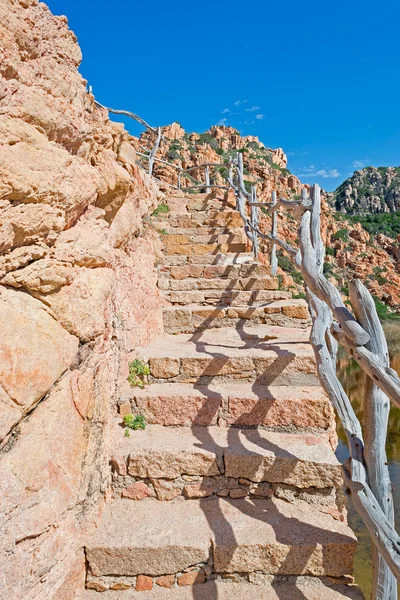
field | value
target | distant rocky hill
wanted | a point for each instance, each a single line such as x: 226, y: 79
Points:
x: 369, y: 190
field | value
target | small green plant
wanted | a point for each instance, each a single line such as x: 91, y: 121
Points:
x: 381, y: 280
x: 163, y: 232
x: 138, y: 372
x: 384, y: 312
x: 248, y: 185
x: 330, y: 251
x: 338, y: 216
x: 300, y: 296
x: 127, y: 433
x: 134, y: 422
x: 161, y: 209
x: 345, y: 290
x: 286, y: 264
x: 341, y: 234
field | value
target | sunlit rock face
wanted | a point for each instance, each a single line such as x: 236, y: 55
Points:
x: 77, y: 293
x: 370, y: 190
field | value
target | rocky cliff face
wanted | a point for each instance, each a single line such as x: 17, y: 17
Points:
x: 77, y: 294
x: 370, y: 190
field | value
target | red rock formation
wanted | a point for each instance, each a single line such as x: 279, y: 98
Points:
x: 354, y: 253
x: 77, y: 293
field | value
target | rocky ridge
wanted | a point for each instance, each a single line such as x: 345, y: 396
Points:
x: 369, y: 190
x: 352, y: 251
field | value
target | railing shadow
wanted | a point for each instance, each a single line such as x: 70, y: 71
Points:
x: 222, y: 531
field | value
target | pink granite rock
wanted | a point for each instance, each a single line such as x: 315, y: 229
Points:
x: 72, y: 202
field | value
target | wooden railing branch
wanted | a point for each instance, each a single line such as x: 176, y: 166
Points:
x: 384, y: 537
x: 321, y: 287
x: 274, y: 230
x: 160, y: 160
x: 367, y: 477
x: 127, y: 113
x: 376, y: 419
x: 153, y: 151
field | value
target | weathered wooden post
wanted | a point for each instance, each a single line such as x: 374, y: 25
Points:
x: 366, y: 476
x: 153, y: 151
x: 254, y: 220
x: 179, y: 180
x: 207, y: 178
x: 274, y: 217
x: 376, y: 417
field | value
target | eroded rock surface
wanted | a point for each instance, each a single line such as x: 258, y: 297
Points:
x: 77, y: 292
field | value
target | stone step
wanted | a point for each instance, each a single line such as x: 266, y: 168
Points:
x: 229, y: 258
x: 187, y: 249
x: 262, y: 353
x: 243, y: 284
x: 167, y: 227
x: 189, y: 271
x: 200, y: 230
x: 238, y: 404
x: 229, y: 219
x: 218, y: 535
x: 196, y: 317
x: 202, y: 238
x: 207, y: 204
x: 297, y: 588
x: 205, y: 461
x: 228, y: 297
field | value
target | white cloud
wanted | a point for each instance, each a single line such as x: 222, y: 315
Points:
x: 222, y: 121
x: 239, y: 102
x: 253, y: 108
x: 226, y: 110
x: 260, y: 117
x: 359, y: 164
x: 311, y: 171
x: 326, y: 173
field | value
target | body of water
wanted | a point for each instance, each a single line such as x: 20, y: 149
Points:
x: 353, y: 381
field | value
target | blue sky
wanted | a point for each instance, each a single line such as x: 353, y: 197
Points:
x: 319, y: 79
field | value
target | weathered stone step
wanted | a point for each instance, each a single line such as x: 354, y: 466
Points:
x: 190, y: 318
x: 269, y: 355
x: 237, y: 404
x: 244, y: 284
x: 203, y: 238
x: 243, y: 536
x: 300, y: 588
x: 200, y: 230
x: 188, y: 271
x: 202, y: 461
x: 230, y: 219
x: 232, y: 258
x: 228, y: 297
x: 204, y: 204
x: 187, y: 249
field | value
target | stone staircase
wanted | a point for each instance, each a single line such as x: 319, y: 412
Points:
x: 233, y: 489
